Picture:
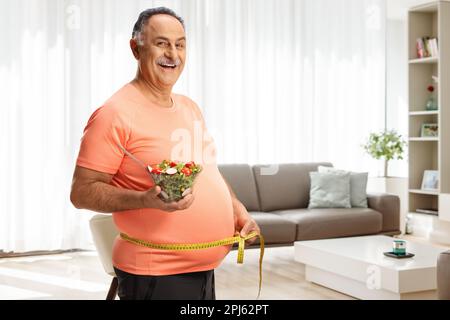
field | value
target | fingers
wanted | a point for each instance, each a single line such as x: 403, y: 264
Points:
x: 249, y: 241
x: 156, y: 190
x: 187, y: 191
x: 179, y: 205
x: 185, y: 202
x: 249, y: 226
x: 153, y: 199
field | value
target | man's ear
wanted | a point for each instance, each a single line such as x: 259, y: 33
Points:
x: 134, y: 48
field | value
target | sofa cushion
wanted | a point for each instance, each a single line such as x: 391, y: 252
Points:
x: 240, y: 178
x: 315, y: 224
x: 275, y: 228
x: 287, y: 188
x: 358, y: 186
x: 329, y: 190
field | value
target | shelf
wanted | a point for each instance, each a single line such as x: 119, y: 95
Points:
x: 425, y: 8
x: 426, y: 213
x: 430, y: 20
x: 424, y: 139
x: 423, y: 113
x: 431, y: 212
x: 426, y: 192
x: 424, y: 60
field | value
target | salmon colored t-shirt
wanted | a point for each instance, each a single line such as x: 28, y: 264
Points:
x: 153, y: 133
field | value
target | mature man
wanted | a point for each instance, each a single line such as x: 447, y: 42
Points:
x: 143, y: 121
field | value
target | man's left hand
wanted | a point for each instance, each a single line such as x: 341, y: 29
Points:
x: 244, y: 224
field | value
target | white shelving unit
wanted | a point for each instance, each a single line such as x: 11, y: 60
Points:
x: 424, y: 60
x: 429, y: 153
x: 423, y: 113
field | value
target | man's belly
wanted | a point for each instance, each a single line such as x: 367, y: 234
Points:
x: 209, y: 218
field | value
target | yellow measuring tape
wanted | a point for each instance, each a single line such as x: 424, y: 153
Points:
x: 205, y: 245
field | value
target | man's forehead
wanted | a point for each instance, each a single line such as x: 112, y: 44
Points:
x: 164, y: 25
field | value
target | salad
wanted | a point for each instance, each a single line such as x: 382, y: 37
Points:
x: 174, y: 178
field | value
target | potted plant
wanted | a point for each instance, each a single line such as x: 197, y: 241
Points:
x: 387, y: 145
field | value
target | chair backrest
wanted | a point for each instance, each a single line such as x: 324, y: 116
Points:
x: 103, y: 233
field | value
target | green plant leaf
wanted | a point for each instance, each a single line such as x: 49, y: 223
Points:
x: 387, y: 145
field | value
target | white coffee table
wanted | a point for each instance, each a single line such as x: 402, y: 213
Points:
x: 356, y: 266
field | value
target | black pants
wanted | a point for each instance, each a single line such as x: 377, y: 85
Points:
x: 184, y: 286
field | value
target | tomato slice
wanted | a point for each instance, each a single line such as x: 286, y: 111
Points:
x: 156, y: 169
x: 190, y: 164
x: 186, y: 171
x: 172, y: 164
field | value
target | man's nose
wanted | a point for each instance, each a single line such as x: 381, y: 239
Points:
x: 171, y: 52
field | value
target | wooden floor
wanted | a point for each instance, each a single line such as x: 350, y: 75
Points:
x: 80, y: 276
x: 282, y: 278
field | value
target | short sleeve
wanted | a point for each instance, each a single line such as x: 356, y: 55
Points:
x: 198, y: 114
x: 103, y: 138
x: 209, y: 146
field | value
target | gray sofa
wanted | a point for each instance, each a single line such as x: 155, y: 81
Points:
x: 443, y: 276
x: 279, y: 204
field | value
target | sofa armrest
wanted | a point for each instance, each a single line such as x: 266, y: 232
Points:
x: 389, y: 206
x: 443, y: 276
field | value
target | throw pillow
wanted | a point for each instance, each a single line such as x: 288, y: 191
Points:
x: 329, y: 190
x: 358, y: 186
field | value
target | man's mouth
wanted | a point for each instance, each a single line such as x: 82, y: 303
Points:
x: 167, y: 66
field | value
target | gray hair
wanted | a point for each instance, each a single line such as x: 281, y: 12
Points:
x: 145, y: 15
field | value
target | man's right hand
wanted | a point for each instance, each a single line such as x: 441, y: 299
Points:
x: 92, y: 190
x: 151, y: 199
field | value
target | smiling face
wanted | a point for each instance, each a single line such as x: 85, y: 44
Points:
x: 161, y: 50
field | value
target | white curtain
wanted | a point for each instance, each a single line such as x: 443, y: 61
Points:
x: 290, y: 80
x: 278, y: 81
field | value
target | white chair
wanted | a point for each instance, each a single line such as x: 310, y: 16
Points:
x: 103, y: 233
